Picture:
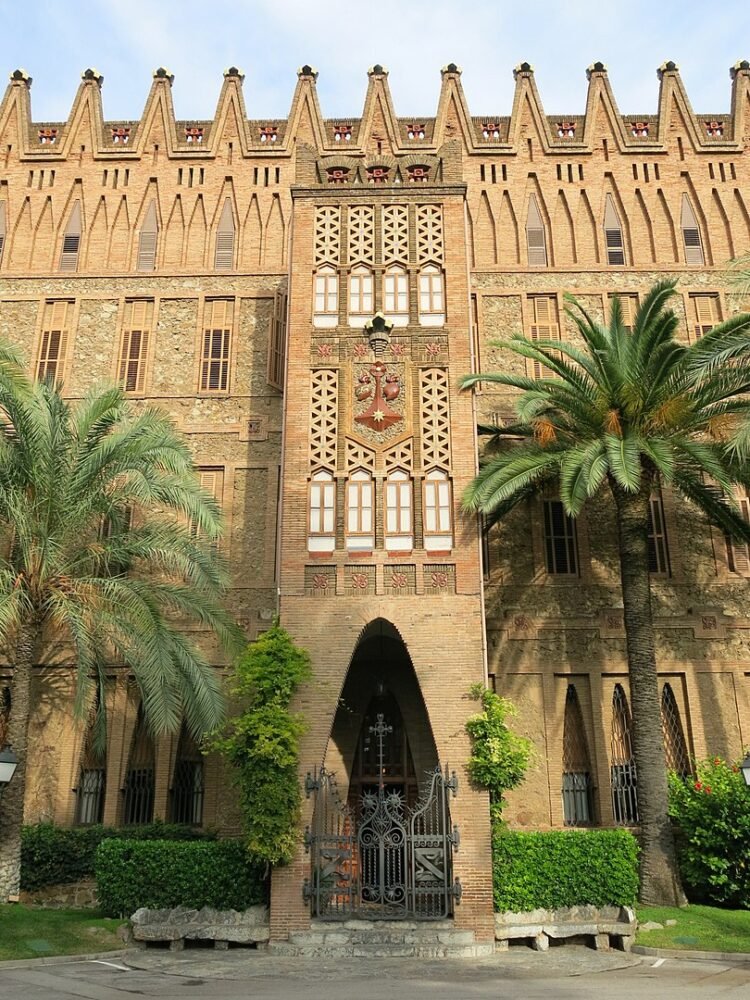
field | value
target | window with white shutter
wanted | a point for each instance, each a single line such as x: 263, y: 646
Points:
x: 544, y: 326
x: 705, y: 312
x: 147, y: 239
x: 691, y: 235
x: 536, y: 243
x: 224, y: 256
x: 2, y: 229
x: 738, y: 551
x: 53, y: 346
x: 71, y: 240
x: 613, y: 233
x: 217, y: 343
x: 136, y: 333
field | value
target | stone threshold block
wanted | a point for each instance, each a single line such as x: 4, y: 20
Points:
x: 223, y: 927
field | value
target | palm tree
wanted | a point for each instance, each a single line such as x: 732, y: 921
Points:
x: 617, y: 414
x: 105, y: 554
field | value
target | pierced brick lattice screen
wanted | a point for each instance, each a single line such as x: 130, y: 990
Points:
x: 429, y: 234
x: 361, y: 234
x: 359, y: 457
x: 327, y: 234
x: 323, y: 407
x: 435, y: 414
x: 395, y: 234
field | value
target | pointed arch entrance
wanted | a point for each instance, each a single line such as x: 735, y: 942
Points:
x: 381, y: 841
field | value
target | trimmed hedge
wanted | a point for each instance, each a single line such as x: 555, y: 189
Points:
x: 160, y: 874
x: 564, y: 868
x: 53, y: 855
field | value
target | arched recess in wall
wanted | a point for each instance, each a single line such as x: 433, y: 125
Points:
x: 44, y: 239
x: 174, y: 236
x: 274, y: 236
x: 252, y: 231
x: 722, y: 245
x: 381, y: 680
x: 577, y: 779
x: 622, y: 761
x: 643, y: 223
x: 139, y: 785
x: 740, y: 218
x: 664, y: 231
x: 20, y: 248
x: 485, y: 234
x: 119, y: 239
x: 97, y: 238
x: 564, y: 230
x: 509, y: 248
x: 588, y: 232
x: 197, y: 236
x: 675, y: 745
x: 618, y: 245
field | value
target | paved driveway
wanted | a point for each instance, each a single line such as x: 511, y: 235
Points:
x: 569, y: 973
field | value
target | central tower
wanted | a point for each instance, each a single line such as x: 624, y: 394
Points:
x: 379, y: 446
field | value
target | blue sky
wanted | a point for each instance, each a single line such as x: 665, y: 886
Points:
x: 54, y: 40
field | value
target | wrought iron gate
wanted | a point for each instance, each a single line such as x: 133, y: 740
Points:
x: 398, y: 862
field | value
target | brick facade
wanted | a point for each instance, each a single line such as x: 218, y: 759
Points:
x: 480, y: 225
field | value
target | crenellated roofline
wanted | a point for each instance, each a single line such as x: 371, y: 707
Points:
x: 378, y: 131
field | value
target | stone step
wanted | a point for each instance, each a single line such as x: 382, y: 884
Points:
x: 387, y: 939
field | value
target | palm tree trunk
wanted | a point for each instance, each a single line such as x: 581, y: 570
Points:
x: 12, y: 799
x: 660, y: 880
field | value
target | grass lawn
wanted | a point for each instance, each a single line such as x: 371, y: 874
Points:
x: 698, y: 928
x: 26, y: 932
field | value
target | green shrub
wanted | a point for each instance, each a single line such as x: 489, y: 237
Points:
x: 564, y: 868
x: 52, y: 855
x: 499, y: 757
x: 162, y: 873
x: 712, y: 814
x: 262, y: 743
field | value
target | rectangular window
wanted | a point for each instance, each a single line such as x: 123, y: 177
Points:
x: 90, y: 796
x: 544, y: 326
x: 658, y: 544
x: 360, y: 296
x: 431, y: 297
x: 54, y: 341
x: 360, y: 531
x: 628, y: 305
x: 326, y: 297
x: 705, y: 312
x: 136, y: 332
x: 322, y: 513
x: 560, y: 540
x: 277, y: 341
x: 396, y: 296
x: 438, y: 529
x: 738, y: 552
x: 398, y: 513
x: 217, y: 340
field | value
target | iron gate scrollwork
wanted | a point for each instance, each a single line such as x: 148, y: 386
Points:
x: 398, y: 862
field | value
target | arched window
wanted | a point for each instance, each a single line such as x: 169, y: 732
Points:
x: 396, y: 295
x: 431, y: 296
x: 322, y: 510
x: 536, y: 243
x: 360, y: 512
x: 92, y: 777
x: 675, y: 747
x: 399, y: 531
x: 71, y: 240
x: 361, y: 306
x: 577, y: 789
x: 613, y: 233
x: 623, y: 774
x: 438, y: 521
x: 138, y: 791
x: 186, y: 791
x: 147, y: 239
x: 691, y: 235
x: 225, y: 233
x: 326, y: 297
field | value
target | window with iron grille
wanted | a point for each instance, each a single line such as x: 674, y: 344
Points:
x: 658, y: 542
x: 675, y: 746
x: 738, y: 551
x: 705, y: 310
x: 136, y: 333
x: 577, y: 786
x: 53, y: 346
x: 138, y: 791
x: 560, y: 540
x: 217, y: 342
x: 277, y: 342
x: 186, y: 791
x: 622, y: 769
x: 545, y: 325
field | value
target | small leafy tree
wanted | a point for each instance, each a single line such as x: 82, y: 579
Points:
x: 262, y: 743
x: 499, y: 757
x: 711, y: 810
